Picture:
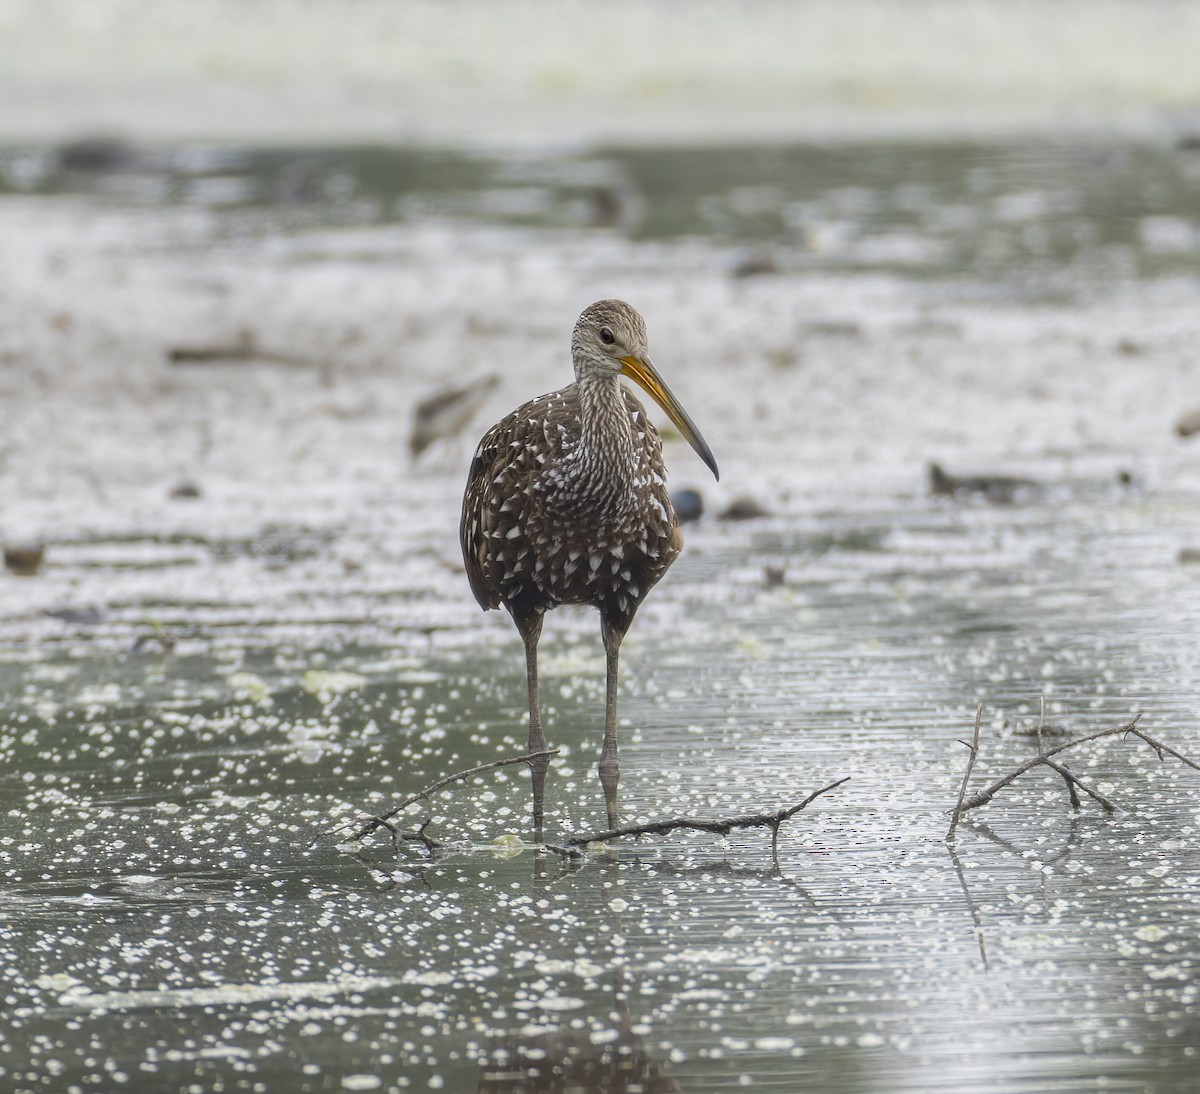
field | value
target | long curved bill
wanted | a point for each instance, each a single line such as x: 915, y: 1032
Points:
x: 645, y: 375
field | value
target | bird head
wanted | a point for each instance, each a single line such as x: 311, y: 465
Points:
x: 610, y: 338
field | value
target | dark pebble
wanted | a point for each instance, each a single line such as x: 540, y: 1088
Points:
x: 688, y: 505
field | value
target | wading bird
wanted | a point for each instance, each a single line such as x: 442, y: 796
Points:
x: 567, y: 503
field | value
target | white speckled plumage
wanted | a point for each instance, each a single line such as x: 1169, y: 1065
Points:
x: 567, y: 503
x: 578, y: 471
x: 558, y: 495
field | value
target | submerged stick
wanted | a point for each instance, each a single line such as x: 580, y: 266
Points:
x: 962, y: 790
x: 411, y: 835
x: 716, y: 827
x: 383, y: 820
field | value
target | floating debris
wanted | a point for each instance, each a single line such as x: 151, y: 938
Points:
x: 1189, y: 423
x: 303, y: 182
x: 24, y: 559
x: 447, y: 411
x: 755, y: 264
x: 96, y: 155
x: 774, y: 576
x: 323, y: 682
x: 158, y: 636
x: 744, y: 508
x: 186, y: 490
x: 927, y: 326
x: 603, y: 206
x: 783, y: 357
x: 244, y: 347
x: 82, y: 616
x: 246, y: 685
x: 1030, y: 727
x: 832, y: 328
x: 998, y: 488
x: 509, y: 845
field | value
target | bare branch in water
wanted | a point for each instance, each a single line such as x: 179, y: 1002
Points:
x: 1160, y: 748
x: 962, y: 790
x: 1044, y: 758
x: 716, y: 827
x: 383, y: 820
x: 1072, y: 780
x: 985, y: 795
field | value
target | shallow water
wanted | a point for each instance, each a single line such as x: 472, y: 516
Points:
x: 194, y: 689
x: 989, y: 209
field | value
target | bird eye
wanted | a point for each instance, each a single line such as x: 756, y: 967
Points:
x: 606, y: 336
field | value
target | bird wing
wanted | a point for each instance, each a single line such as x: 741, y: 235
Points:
x: 479, y: 510
x: 506, y: 463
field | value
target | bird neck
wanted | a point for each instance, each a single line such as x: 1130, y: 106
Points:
x: 606, y: 450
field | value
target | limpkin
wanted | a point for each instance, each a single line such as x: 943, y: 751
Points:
x: 567, y: 503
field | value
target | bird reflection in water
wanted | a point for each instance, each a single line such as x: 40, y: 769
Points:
x: 569, y: 1061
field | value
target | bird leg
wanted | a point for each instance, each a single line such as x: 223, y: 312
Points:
x: 530, y: 626
x: 612, y: 630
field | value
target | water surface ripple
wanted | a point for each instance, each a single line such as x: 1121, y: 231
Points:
x: 193, y: 688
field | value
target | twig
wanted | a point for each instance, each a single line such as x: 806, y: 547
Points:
x: 1160, y: 748
x: 985, y: 795
x: 1073, y: 781
x: 717, y: 827
x: 1045, y: 759
x: 413, y: 835
x: 383, y: 820
x: 244, y: 347
x: 1068, y: 778
x: 962, y: 790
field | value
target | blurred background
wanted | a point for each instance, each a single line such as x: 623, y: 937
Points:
x: 925, y: 273
x: 530, y: 71
x: 379, y: 201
